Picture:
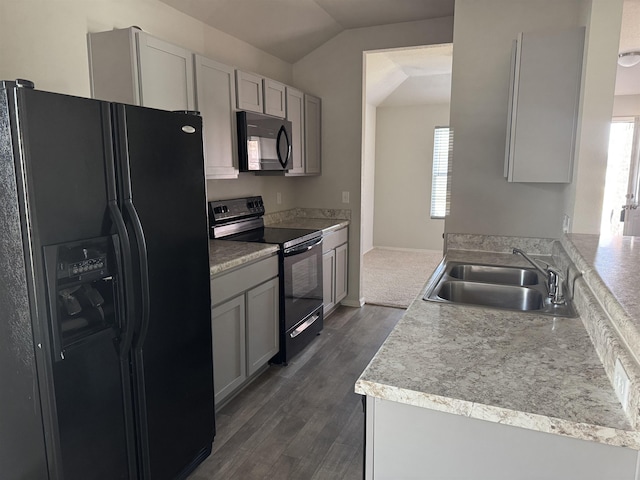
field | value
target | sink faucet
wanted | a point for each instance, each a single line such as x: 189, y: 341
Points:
x: 553, y: 276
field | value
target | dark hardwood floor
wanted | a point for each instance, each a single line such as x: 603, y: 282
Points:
x: 303, y: 421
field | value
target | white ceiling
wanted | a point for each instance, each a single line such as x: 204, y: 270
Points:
x: 628, y: 78
x: 290, y: 29
x: 412, y: 76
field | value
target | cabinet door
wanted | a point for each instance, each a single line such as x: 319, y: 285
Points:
x: 166, y: 74
x: 544, y: 106
x: 328, y: 279
x: 262, y: 324
x: 342, y: 261
x: 216, y: 100
x: 249, y: 91
x: 113, y: 66
x: 312, y: 134
x: 295, y: 114
x: 275, y: 98
x: 229, y: 351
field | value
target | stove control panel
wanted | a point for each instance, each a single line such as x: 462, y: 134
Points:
x: 225, y: 211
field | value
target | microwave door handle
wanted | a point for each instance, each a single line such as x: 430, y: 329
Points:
x: 286, y: 136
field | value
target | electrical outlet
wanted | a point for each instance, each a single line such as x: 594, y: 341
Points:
x: 566, y: 224
x: 345, y: 197
x: 621, y: 384
x: 278, y: 198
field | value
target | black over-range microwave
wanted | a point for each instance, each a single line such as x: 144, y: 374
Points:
x: 264, y: 142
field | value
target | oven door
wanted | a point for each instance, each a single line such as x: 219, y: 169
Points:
x: 302, y: 283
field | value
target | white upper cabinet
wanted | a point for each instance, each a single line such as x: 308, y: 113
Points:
x: 249, y: 91
x: 166, y: 74
x: 304, y: 113
x: 261, y: 95
x: 295, y: 114
x: 275, y: 100
x: 312, y: 134
x: 543, y: 106
x: 216, y: 100
x: 130, y: 66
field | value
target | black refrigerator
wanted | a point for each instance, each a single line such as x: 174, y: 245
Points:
x: 105, y: 333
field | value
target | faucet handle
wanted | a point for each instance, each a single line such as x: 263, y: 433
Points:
x: 555, y: 279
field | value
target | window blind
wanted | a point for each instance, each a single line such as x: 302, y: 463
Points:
x: 440, y: 177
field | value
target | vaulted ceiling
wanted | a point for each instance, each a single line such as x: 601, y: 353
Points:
x: 290, y: 29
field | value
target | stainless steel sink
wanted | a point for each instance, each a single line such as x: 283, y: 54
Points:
x: 491, y: 295
x: 508, y: 288
x: 492, y: 274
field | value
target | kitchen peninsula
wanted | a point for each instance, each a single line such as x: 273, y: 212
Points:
x: 514, y: 395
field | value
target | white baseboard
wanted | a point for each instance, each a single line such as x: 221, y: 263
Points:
x: 350, y: 303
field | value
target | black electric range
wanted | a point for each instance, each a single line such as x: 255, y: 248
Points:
x: 300, y: 267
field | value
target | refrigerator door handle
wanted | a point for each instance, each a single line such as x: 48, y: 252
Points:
x: 128, y: 324
x: 144, y: 271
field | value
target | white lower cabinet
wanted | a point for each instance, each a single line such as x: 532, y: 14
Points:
x: 229, y: 347
x: 335, y: 259
x: 406, y: 441
x: 328, y: 280
x: 245, y: 324
x: 342, y: 260
x: 262, y: 325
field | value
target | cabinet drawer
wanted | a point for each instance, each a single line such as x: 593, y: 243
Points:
x: 230, y: 284
x: 334, y: 239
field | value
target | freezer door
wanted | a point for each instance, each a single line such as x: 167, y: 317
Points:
x: 66, y: 164
x: 22, y: 451
x: 162, y: 194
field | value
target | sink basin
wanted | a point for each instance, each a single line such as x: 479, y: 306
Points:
x: 492, y: 286
x: 491, y: 274
x: 491, y: 295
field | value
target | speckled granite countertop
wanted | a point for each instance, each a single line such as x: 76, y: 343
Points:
x: 519, y: 369
x: 224, y: 254
x: 612, y: 267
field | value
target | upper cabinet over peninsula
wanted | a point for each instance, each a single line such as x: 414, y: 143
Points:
x: 131, y: 66
x: 546, y: 72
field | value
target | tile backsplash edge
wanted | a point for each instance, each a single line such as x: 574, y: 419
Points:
x: 324, y: 213
x: 498, y: 243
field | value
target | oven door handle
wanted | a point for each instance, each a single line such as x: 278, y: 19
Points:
x: 289, y: 252
x: 304, y: 326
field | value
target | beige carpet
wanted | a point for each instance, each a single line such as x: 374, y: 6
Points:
x: 394, y: 278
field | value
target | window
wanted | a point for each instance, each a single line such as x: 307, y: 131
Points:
x: 440, y: 176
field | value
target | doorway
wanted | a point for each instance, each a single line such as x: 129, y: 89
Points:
x: 620, y: 213
x: 406, y: 96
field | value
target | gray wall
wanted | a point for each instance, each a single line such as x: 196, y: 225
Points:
x: 404, y: 161
x: 334, y: 72
x: 482, y: 201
